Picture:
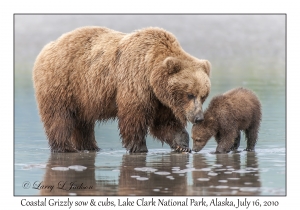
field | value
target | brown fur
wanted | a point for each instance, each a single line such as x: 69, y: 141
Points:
x: 143, y: 79
x: 228, y: 114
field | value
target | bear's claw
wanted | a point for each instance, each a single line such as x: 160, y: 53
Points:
x: 180, y: 149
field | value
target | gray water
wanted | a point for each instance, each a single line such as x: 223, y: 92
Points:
x: 244, y: 50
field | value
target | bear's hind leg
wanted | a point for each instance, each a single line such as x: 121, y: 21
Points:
x: 133, y: 128
x: 226, y: 141
x: 83, y: 136
x: 59, y: 130
x: 251, y: 136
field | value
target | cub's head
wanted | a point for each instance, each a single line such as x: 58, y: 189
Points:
x: 183, y: 86
x: 201, y: 133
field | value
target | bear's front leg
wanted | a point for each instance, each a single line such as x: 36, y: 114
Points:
x: 167, y: 128
x: 236, y: 143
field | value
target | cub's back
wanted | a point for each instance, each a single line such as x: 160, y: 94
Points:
x: 239, y: 103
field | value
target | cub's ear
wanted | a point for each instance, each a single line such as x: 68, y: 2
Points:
x: 206, y: 66
x: 173, y: 65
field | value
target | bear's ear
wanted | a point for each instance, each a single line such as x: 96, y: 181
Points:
x: 172, y: 64
x: 206, y: 66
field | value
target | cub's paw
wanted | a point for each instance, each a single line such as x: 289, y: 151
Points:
x: 233, y: 148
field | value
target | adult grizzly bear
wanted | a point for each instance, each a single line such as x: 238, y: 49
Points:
x: 228, y: 114
x: 144, y: 79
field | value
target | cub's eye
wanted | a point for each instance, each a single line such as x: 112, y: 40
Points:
x: 203, y: 98
x: 191, y: 96
x: 197, y: 140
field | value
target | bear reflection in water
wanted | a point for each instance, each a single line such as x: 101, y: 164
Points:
x: 226, y: 176
x: 155, y: 174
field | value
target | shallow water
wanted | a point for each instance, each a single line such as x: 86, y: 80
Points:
x: 248, y: 52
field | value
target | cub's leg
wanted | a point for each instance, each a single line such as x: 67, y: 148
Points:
x: 226, y: 141
x: 251, y: 136
x: 236, y: 143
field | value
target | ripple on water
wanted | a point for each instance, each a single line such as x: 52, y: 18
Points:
x: 60, y: 168
x: 31, y: 166
x: 249, y: 189
x: 251, y: 169
x: 221, y: 187
x: 162, y: 173
x: 175, y: 169
x: 220, y: 169
x: 242, y: 171
x: 212, y: 174
x: 233, y: 192
x: 205, y: 169
x: 77, y: 167
x: 179, y: 172
x: 146, y: 169
x: 227, y: 172
x: 203, y: 179
x: 170, y: 177
x: 233, y: 178
x: 142, y: 178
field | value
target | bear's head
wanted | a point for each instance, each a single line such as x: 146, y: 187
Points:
x: 182, y: 85
x: 201, y: 133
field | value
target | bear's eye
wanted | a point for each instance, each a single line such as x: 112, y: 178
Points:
x: 197, y: 140
x: 203, y: 98
x: 191, y: 96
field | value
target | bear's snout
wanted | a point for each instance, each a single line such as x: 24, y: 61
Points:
x: 198, y: 118
x: 195, y: 149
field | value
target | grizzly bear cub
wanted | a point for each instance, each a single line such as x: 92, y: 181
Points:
x: 228, y: 114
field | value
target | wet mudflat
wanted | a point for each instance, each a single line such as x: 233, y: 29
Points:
x: 249, y: 52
